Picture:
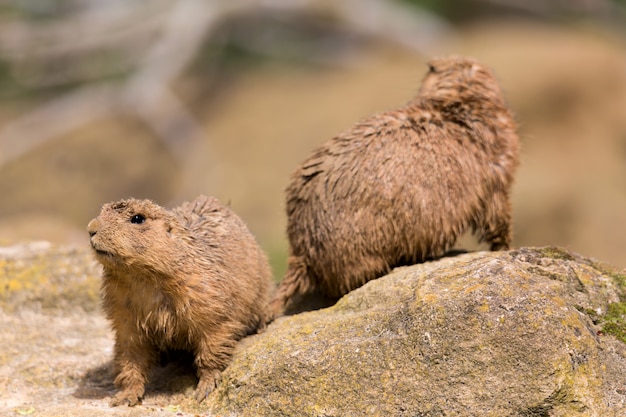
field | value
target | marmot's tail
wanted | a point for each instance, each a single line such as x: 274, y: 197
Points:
x: 296, y: 282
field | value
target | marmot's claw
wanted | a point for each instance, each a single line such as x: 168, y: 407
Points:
x: 206, y: 385
x: 128, y: 398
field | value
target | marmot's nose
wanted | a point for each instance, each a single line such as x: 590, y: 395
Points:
x: 92, y: 227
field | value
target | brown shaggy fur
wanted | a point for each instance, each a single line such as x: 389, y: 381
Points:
x: 401, y: 186
x: 193, y: 279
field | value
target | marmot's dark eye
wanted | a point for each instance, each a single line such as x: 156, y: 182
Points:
x: 138, y: 219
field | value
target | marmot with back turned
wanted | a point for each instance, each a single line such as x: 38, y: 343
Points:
x: 401, y: 186
x: 193, y: 279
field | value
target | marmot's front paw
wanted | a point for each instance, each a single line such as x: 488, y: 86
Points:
x: 206, y: 385
x: 130, y: 397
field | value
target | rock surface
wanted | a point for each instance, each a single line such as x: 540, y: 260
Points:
x: 530, y: 332
x: 482, y: 334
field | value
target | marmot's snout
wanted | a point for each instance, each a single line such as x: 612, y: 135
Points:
x: 92, y: 227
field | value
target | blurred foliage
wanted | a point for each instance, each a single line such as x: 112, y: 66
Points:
x: 41, y: 10
x: 252, y: 42
x: 459, y: 11
x: 242, y: 41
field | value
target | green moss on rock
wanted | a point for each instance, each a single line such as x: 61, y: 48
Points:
x: 614, y: 321
x: 555, y: 252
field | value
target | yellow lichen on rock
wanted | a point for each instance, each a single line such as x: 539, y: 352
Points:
x: 44, y: 276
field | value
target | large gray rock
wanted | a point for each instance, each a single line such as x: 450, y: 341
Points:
x: 483, y: 334
x: 522, y: 333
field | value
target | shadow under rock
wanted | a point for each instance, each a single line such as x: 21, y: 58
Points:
x: 174, y: 374
x: 316, y: 300
x: 309, y: 302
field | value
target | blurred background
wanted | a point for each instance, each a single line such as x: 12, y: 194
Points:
x: 102, y: 100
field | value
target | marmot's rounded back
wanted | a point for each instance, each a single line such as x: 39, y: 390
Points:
x: 400, y: 187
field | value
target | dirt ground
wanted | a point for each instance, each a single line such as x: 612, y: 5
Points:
x: 56, y: 346
x: 59, y: 365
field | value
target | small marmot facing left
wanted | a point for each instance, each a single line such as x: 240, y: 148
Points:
x: 193, y: 278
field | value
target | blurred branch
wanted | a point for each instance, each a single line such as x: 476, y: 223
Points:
x: 51, y: 120
x: 58, y: 44
x: 171, y: 36
x: 413, y: 28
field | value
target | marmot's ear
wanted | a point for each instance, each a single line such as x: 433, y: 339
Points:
x: 473, y: 70
x: 169, y: 223
x: 172, y: 227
